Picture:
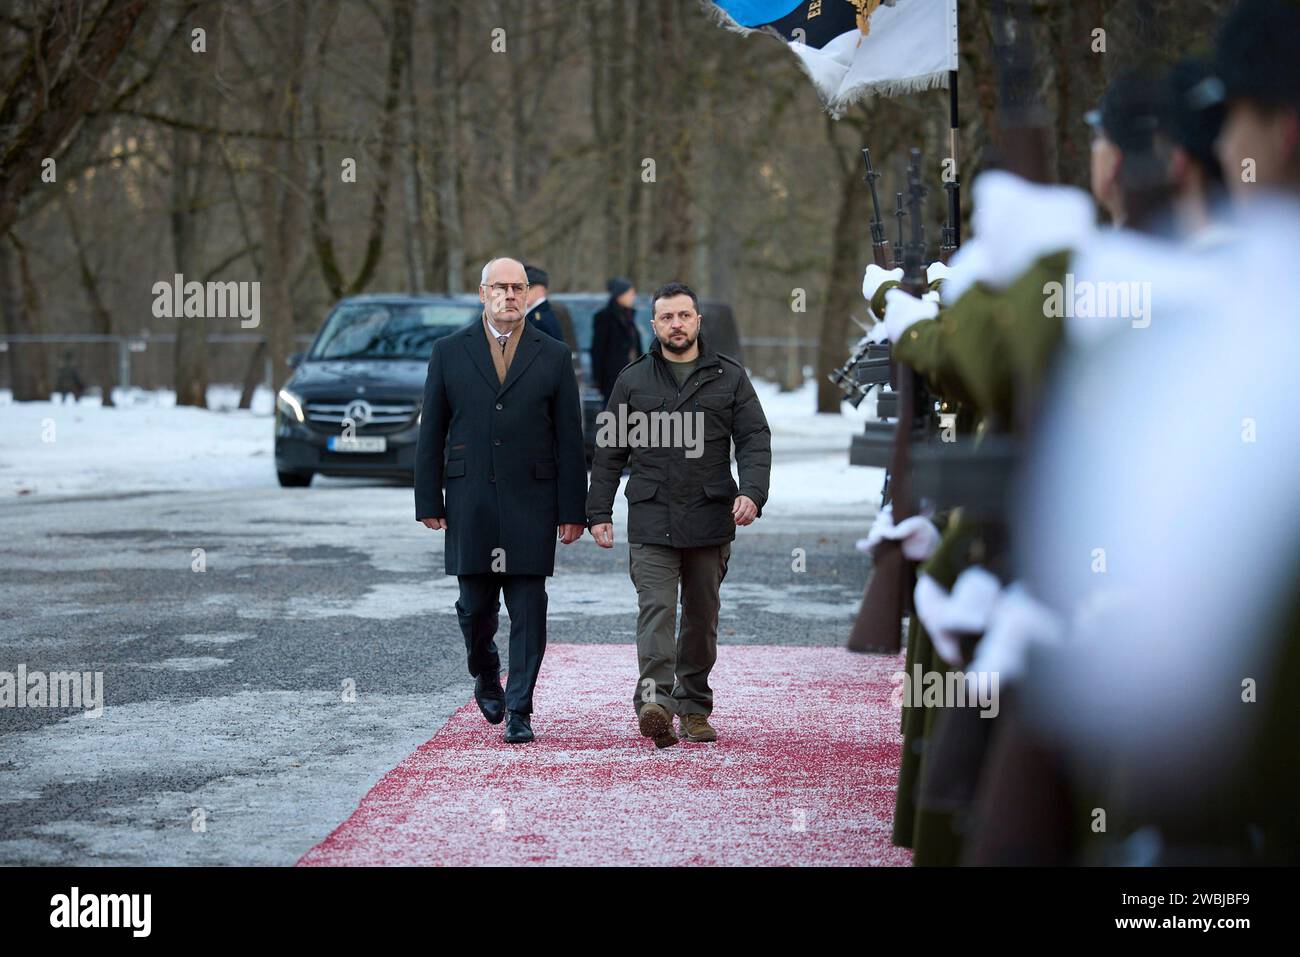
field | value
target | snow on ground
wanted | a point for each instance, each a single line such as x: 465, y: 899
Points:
x: 147, y: 443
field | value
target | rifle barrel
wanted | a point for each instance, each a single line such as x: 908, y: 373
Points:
x: 877, y: 224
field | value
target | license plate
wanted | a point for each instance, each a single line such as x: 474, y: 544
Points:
x: 360, y: 443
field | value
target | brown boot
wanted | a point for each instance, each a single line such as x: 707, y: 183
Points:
x: 696, y: 727
x: 656, y: 723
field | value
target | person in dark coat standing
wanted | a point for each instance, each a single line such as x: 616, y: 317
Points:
x: 615, y: 340
x: 540, y: 313
x: 501, y: 431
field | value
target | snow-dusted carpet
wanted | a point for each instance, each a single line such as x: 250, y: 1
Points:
x: 803, y: 773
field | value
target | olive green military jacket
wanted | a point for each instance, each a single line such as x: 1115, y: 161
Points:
x: 677, y: 495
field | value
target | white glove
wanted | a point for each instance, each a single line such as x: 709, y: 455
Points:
x: 874, y: 276
x: 1017, y: 622
x: 919, y: 537
x: 948, y: 616
x: 902, y: 310
x: 877, y: 334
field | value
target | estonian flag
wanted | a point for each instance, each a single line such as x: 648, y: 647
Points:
x: 856, y: 48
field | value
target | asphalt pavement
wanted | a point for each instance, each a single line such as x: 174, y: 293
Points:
x: 268, y: 655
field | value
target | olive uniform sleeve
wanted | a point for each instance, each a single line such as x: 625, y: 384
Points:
x: 990, y: 349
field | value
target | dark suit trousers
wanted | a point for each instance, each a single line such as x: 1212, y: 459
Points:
x: 478, y: 609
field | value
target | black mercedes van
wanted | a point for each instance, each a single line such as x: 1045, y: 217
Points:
x: 352, y: 406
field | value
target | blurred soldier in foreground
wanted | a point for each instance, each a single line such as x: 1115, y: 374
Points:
x: 1158, y: 523
x: 1034, y: 280
x: 1154, y: 168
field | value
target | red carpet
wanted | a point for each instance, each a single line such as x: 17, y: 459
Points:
x: 803, y: 772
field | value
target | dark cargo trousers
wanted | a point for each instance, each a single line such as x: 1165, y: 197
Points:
x: 675, y: 666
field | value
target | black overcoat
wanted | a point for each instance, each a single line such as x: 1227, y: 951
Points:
x: 614, y: 336
x: 509, y: 456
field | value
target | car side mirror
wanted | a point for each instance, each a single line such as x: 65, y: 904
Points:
x: 294, y: 359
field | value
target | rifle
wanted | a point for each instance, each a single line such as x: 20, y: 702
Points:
x: 899, y: 214
x: 878, y: 627
x: 868, y: 366
x: 879, y: 245
x: 948, y: 244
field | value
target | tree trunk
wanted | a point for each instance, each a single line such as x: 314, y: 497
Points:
x: 415, y: 229
x: 622, y: 165
x: 843, y: 287
x: 190, y: 365
x: 252, y: 375
x: 450, y: 264
x: 29, y: 369
x: 282, y: 201
x: 103, y: 370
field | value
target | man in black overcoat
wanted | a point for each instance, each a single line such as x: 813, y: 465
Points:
x: 501, y: 432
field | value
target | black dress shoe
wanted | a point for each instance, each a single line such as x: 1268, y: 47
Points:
x: 491, y: 697
x: 518, y: 728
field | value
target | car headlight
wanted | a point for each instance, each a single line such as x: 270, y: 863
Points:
x: 290, y: 405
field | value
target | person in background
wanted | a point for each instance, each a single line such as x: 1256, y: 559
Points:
x: 1153, y: 164
x: 540, y: 313
x: 1129, y: 176
x: 67, y: 381
x: 615, y: 340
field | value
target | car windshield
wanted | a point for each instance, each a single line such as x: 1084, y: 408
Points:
x: 388, y: 330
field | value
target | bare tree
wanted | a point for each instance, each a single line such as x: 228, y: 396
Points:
x: 103, y: 372
x: 191, y: 164
x: 20, y: 304
x: 449, y: 249
x: 282, y: 195
x: 58, y: 61
x: 412, y: 181
x: 380, y: 177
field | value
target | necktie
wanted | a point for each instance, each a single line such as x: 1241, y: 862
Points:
x: 502, y: 340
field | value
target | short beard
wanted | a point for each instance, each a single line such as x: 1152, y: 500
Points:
x: 677, y: 350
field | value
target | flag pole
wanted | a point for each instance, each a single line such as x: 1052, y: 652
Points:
x: 955, y: 203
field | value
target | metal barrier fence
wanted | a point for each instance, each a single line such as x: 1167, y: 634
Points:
x: 142, y: 361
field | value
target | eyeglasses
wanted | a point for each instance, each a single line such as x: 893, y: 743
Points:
x: 501, y: 288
